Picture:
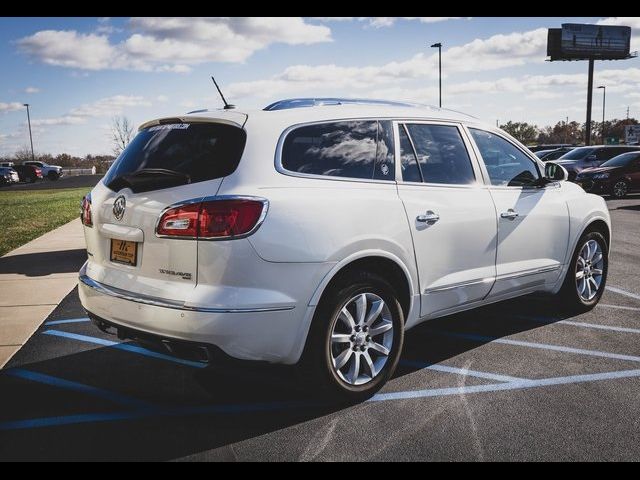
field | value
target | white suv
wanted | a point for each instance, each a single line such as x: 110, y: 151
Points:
x: 318, y: 235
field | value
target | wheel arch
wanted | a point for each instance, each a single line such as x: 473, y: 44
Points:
x: 383, y: 263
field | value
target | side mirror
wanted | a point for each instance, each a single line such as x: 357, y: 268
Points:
x: 555, y: 172
x: 591, y: 158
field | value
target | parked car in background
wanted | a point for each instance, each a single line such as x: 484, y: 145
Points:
x: 28, y: 173
x: 550, y: 155
x: 356, y: 220
x: 588, y: 157
x: 550, y: 146
x: 6, y: 164
x: 615, y: 177
x: 8, y: 176
x: 52, y: 172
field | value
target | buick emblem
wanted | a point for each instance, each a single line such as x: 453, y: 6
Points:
x: 118, y: 207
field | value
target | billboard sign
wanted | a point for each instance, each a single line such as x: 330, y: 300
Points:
x: 632, y: 134
x: 575, y: 41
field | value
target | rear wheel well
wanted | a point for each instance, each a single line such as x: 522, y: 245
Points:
x: 387, y: 269
x: 601, y: 227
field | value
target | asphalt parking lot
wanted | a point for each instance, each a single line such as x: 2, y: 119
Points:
x: 72, y: 181
x: 513, y: 381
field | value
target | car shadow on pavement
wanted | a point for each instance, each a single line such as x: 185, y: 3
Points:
x: 194, y: 410
x: 40, y: 264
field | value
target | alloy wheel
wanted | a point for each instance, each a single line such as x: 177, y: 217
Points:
x: 589, y: 269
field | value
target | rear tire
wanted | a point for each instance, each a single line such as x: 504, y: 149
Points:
x: 619, y: 189
x: 587, y: 275
x: 355, y: 339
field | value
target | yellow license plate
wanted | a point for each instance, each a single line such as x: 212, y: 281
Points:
x: 123, y: 251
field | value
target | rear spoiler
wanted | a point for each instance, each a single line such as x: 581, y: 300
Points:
x: 233, y: 118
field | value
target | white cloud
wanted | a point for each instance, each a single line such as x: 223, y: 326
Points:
x: 104, y: 107
x: 171, y: 44
x: 380, y: 22
x: 633, y: 22
x: 481, y: 54
x: 162, y: 98
x: 11, y: 106
x: 31, y: 90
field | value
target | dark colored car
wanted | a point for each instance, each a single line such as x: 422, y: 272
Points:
x: 588, y: 157
x: 550, y: 146
x: 615, y: 177
x: 554, y: 154
x: 28, y: 173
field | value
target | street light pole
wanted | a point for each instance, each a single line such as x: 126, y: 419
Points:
x: 33, y: 157
x: 439, y: 47
x: 604, y: 97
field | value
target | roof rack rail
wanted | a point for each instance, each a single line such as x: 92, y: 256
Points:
x: 315, y: 102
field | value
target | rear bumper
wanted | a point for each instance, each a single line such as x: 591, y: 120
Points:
x: 266, y: 334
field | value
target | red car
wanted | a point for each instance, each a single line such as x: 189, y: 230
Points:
x: 616, y: 177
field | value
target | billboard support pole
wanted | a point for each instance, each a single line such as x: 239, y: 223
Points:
x: 587, y: 140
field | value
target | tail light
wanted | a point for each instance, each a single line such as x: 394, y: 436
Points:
x: 216, y: 219
x: 38, y: 172
x: 85, y: 211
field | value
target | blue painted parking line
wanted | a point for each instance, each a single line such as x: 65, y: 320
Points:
x: 75, y: 386
x: 127, y: 347
x: 496, y: 387
x: 543, y: 346
x: 461, y: 371
x: 69, y: 320
x: 621, y: 307
x: 622, y: 292
x: 287, y: 406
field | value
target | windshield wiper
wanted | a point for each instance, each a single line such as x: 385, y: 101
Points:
x: 145, y: 177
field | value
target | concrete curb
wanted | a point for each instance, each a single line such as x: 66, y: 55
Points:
x: 34, y: 279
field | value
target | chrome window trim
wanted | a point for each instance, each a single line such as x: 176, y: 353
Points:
x: 164, y: 303
x: 263, y: 215
x: 281, y: 169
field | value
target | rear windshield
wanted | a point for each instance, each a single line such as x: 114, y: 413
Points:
x: 577, y: 154
x: 195, y: 152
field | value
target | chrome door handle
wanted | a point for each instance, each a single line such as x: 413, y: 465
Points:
x: 511, y: 214
x: 429, y: 217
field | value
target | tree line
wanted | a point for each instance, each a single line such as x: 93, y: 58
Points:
x: 567, y: 132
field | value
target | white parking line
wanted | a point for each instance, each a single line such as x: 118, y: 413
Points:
x: 552, y: 321
x: 621, y: 307
x: 623, y: 292
x: 461, y: 371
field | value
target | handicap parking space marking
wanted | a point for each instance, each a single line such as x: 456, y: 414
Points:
x: 127, y: 347
x: 622, y: 292
x: 75, y: 386
x: 543, y: 346
x: 68, y: 320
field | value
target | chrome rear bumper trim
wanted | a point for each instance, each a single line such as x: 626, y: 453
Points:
x: 161, y: 302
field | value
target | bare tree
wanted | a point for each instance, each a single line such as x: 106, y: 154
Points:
x: 121, y: 133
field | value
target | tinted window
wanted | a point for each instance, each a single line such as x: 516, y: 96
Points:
x: 506, y: 164
x: 621, y: 160
x: 410, y: 172
x: 442, y: 156
x: 202, y: 151
x: 578, y: 153
x: 385, y: 156
x: 340, y: 149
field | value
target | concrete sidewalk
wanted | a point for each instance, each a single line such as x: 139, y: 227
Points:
x: 34, y: 279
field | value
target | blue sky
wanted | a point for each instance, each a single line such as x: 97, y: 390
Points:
x: 78, y: 73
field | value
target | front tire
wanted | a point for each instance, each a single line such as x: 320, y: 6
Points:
x: 356, y: 337
x: 619, y: 189
x: 587, y: 275
x: 53, y: 176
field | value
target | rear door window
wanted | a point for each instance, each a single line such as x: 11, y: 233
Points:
x: 177, y: 153
x: 360, y: 149
x: 441, y: 153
